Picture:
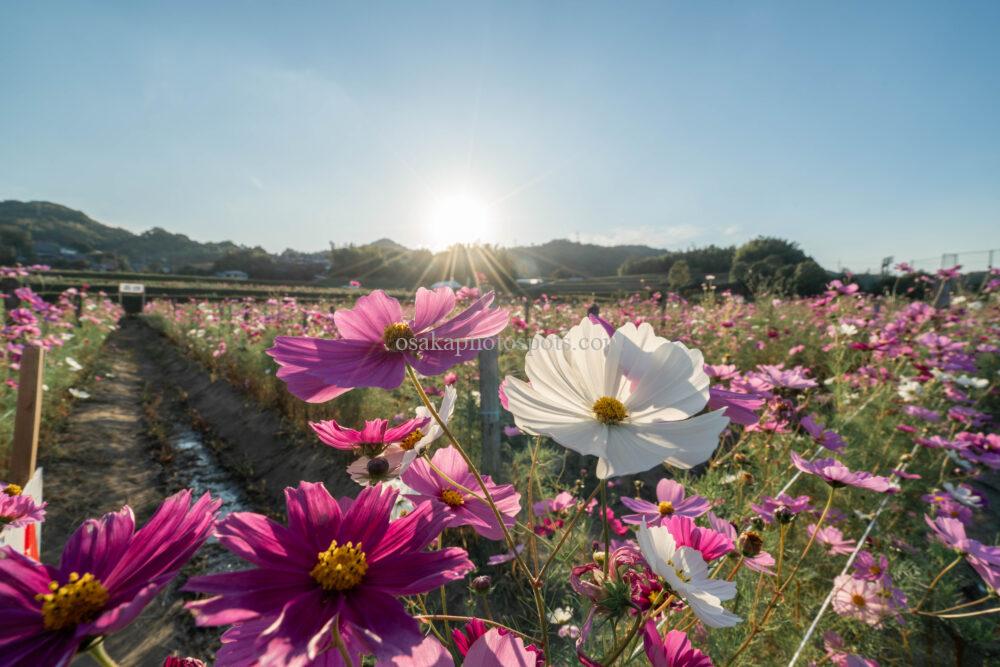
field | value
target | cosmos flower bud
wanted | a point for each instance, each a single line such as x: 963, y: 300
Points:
x: 378, y: 467
x: 482, y: 583
x: 750, y: 543
x: 784, y: 515
x: 757, y: 523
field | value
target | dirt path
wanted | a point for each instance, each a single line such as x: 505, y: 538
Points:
x: 102, y: 461
x: 132, y: 442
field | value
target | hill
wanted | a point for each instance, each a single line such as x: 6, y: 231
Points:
x: 52, y: 233
x: 562, y: 258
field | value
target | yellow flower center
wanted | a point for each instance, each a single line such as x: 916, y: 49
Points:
x: 666, y: 508
x: 876, y: 570
x: 397, y: 336
x: 858, y: 600
x: 410, y: 441
x: 341, y: 567
x: 80, y: 600
x: 13, y: 489
x: 452, y: 498
x: 609, y: 410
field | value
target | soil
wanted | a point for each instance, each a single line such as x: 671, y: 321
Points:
x: 120, y: 447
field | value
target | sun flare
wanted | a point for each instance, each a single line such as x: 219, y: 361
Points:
x: 459, y: 218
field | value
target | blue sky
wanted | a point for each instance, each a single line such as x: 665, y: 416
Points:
x: 858, y: 129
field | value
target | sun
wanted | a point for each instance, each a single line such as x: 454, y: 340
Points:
x: 459, y: 218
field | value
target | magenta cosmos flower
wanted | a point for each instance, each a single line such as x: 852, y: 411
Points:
x: 18, y: 510
x: 107, y: 574
x: 740, y: 408
x: 483, y: 646
x: 672, y: 650
x: 782, y: 508
x: 373, y: 438
x: 836, y: 474
x: 376, y: 343
x: 671, y: 501
x: 983, y: 558
x: 451, y: 498
x: 822, y: 436
x: 342, y: 563
x: 761, y: 562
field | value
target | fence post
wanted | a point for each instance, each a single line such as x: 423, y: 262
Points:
x: 489, y: 406
x: 28, y: 418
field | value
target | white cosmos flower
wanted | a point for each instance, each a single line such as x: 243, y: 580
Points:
x: 434, y: 430
x: 685, y: 571
x: 627, y: 399
x: 964, y: 495
x: 73, y: 364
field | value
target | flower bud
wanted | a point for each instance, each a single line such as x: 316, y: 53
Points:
x: 377, y: 467
x: 757, y: 523
x: 783, y: 515
x: 750, y: 543
x: 482, y: 583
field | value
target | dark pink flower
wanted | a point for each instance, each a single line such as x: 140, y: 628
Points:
x: 494, y: 647
x: 377, y: 343
x: 451, y: 498
x: 782, y: 506
x: 711, y: 543
x: 108, y: 573
x: 343, y: 563
x: 835, y: 473
x: 17, y: 509
x: 372, y: 439
x: 740, y: 408
x: 671, y: 501
x: 673, y: 650
x: 175, y: 661
x: 820, y: 435
x: 762, y: 562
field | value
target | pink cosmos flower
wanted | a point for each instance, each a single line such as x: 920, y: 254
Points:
x: 342, y: 563
x: 494, y: 647
x: 778, y: 377
x: 372, y: 439
x: 451, y: 498
x: 836, y: 474
x: 870, y: 568
x: 377, y: 343
x: 762, y: 562
x: 782, y: 506
x: 673, y: 650
x: 17, y: 510
x: 711, y: 543
x: 860, y: 599
x: 984, y: 559
x: 107, y: 574
x: 562, y: 501
x: 821, y: 436
x: 175, y: 661
x: 671, y: 501
x: 833, y: 539
x: 740, y: 408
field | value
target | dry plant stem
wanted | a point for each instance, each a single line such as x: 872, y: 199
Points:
x: 565, y: 533
x: 535, y: 586
x: 338, y: 641
x: 934, y: 583
x: 981, y: 612
x: 782, y: 532
x: 427, y: 615
x: 963, y: 605
x: 466, y: 619
x: 777, y: 594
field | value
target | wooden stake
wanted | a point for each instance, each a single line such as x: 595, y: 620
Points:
x: 28, y: 418
x: 489, y: 406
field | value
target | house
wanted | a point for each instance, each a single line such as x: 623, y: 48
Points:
x: 232, y: 274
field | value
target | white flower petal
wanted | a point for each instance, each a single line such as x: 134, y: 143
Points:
x: 684, y: 444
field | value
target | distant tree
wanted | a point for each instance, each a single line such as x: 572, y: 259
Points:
x: 766, y: 264
x: 809, y: 278
x: 679, y: 276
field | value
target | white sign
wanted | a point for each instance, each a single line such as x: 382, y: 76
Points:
x: 131, y: 288
x: 27, y: 540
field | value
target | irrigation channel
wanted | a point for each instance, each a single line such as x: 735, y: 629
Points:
x: 155, y: 422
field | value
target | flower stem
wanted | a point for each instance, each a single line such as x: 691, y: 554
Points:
x: 757, y: 625
x: 100, y: 655
x: 963, y: 605
x: 604, y: 521
x: 565, y: 533
x: 934, y: 583
x: 535, y: 588
x: 338, y: 641
x: 981, y: 612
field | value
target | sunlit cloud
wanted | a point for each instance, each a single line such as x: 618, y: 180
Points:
x: 657, y: 237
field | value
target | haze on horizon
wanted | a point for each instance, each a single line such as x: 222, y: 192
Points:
x: 858, y: 131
